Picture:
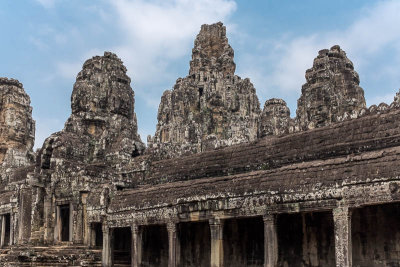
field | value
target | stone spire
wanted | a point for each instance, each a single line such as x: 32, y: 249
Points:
x: 332, y: 89
x: 212, y: 53
x: 211, y: 107
x: 103, y: 123
x: 17, y: 128
x: 275, y: 118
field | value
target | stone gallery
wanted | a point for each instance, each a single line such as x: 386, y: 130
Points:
x: 221, y: 182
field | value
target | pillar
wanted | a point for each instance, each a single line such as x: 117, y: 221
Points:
x: 2, y: 231
x: 13, y: 229
x: 343, y: 247
x: 136, y: 246
x: 25, y: 212
x: 270, y: 241
x: 171, y: 227
x: 72, y: 219
x: 106, y: 257
x: 81, y: 233
x: 49, y: 228
x: 57, y: 226
x: 217, y: 250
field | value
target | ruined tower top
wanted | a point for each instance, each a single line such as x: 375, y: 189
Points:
x: 212, y: 51
x: 211, y: 107
x: 102, y: 87
x: 11, y: 82
x: 17, y: 128
x: 332, y: 89
x: 103, y: 125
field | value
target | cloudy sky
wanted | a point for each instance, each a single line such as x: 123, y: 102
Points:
x: 44, y: 43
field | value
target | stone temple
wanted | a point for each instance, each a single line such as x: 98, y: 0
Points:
x: 221, y: 182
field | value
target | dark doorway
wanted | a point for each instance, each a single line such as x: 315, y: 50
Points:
x: 7, y: 231
x: 306, y: 239
x: 195, y: 244
x: 97, y: 235
x: 244, y: 242
x: 64, y: 221
x: 154, y: 245
x: 122, y: 246
x: 376, y: 235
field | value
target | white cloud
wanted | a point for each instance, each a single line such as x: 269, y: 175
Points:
x: 47, y: 3
x: 168, y: 25
x: 159, y: 32
x: 372, y: 33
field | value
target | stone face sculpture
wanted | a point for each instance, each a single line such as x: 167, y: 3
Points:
x: 211, y: 107
x: 275, y: 118
x: 103, y: 123
x: 332, y: 89
x: 17, y: 128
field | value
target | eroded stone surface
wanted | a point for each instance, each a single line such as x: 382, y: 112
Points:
x: 99, y: 137
x: 102, y: 126
x: 210, y: 108
x: 332, y: 89
x: 275, y: 118
x: 17, y: 128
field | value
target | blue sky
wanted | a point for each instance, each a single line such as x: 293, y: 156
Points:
x: 45, y: 42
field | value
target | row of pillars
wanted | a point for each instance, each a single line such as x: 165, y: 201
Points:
x: 342, y: 231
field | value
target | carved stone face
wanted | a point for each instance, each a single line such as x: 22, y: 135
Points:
x: 319, y: 114
x: 275, y: 118
x: 16, y: 124
x: 103, y: 116
x: 332, y: 89
x: 102, y: 87
x: 15, y: 116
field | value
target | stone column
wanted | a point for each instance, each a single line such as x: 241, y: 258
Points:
x: 86, y: 225
x: 343, y: 247
x: 13, y: 226
x: 217, y: 249
x: 106, y: 257
x: 49, y: 228
x: 270, y: 241
x: 37, y: 226
x: 79, y: 226
x: 2, y: 231
x: 171, y: 227
x: 25, y: 213
x: 57, y: 226
x: 136, y: 246
x: 72, y: 220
